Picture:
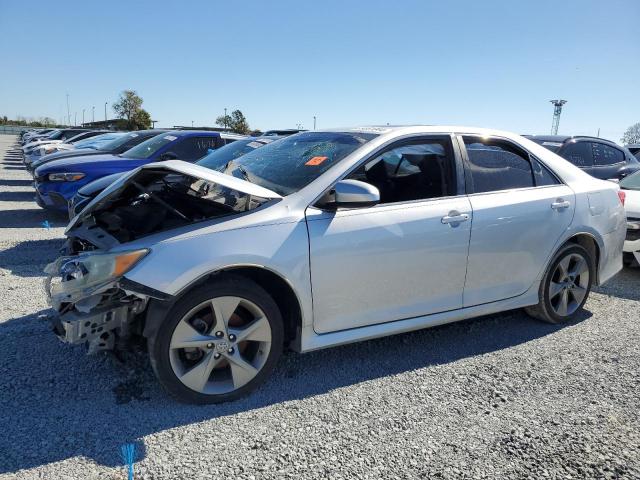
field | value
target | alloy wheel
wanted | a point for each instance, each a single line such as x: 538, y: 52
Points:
x: 569, y: 284
x: 220, y: 345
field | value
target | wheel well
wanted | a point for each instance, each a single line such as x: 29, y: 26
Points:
x: 280, y: 291
x: 590, y: 245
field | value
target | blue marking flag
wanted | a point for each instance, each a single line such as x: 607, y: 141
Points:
x: 128, y: 452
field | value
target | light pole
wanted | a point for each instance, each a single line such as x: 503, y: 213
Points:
x: 105, y: 111
x: 191, y: 123
x: 75, y: 119
x: 314, y: 122
x: 68, y: 113
x: 93, y: 114
x: 83, y: 117
x: 225, y: 118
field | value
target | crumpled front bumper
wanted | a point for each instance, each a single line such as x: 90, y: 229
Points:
x: 93, y: 314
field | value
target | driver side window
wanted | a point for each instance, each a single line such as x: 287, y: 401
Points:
x: 416, y: 170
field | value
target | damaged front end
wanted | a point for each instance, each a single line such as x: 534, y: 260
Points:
x: 96, y: 303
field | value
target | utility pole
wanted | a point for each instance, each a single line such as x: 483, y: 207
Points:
x: 314, y: 122
x: 557, y: 110
x: 68, y: 112
x: 93, y: 114
x: 83, y: 117
x: 105, y: 111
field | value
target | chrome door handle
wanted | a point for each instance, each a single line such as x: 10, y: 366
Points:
x: 558, y: 204
x: 455, y: 218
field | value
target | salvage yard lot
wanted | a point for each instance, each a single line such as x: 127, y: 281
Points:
x: 495, y: 397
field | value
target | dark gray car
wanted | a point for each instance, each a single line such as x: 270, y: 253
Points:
x: 598, y: 157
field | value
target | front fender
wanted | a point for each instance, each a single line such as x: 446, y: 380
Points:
x: 175, y: 265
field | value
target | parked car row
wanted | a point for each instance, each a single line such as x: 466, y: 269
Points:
x: 317, y: 239
x: 59, y: 175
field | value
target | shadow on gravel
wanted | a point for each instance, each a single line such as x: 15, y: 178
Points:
x: 16, y: 196
x: 31, y: 218
x: 30, y: 253
x: 60, y: 403
x: 6, y: 182
x: 624, y: 285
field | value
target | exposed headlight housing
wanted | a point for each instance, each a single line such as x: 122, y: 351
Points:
x: 70, y: 275
x: 65, y: 176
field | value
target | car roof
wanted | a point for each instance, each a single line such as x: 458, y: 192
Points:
x: 564, y: 138
x: 191, y: 133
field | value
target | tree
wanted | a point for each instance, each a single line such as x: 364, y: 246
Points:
x: 236, y: 122
x: 141, y: 120
x: 129, y: 107
x: 632, y: 135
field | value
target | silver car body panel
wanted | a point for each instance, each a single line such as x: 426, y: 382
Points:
x: 394, y: 267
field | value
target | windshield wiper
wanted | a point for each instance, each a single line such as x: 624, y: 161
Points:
x: 244, y: 173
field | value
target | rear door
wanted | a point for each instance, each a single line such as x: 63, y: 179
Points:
x: 520, y: 210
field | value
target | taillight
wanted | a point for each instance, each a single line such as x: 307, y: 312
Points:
x: 622, y: 196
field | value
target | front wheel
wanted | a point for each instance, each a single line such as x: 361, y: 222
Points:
x: 218, y: 342
x: 565, y: 286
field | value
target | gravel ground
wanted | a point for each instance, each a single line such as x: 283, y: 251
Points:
x: 498, y: 397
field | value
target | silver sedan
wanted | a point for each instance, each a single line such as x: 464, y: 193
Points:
x: 325, y: 238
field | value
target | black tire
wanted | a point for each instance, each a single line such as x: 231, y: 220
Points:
x: 544, y: 310
x: 225, y: 285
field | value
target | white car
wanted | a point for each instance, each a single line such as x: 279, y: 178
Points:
x: 328, y: 237
x: 631, y: 187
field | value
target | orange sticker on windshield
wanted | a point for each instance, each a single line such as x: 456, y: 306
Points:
x: 316, y: 161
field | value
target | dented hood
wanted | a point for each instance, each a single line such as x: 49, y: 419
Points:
x: 185, y: 168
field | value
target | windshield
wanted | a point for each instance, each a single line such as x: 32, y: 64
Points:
x: 120, y: 140
x: 218, y: 159
x: 289, y: 164
x: 55, y: 135
x: 94, y: 142
x: 632, y: 182
x: 147, y: 148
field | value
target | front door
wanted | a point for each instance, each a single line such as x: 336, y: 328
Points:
x: 402, y: 258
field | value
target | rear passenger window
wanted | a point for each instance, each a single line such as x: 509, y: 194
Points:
x: 578, y: 153
x: 416, y: 170
x: 497, y: 165
x: 605, y: 154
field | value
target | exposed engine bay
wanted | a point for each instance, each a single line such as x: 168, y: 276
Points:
x: 96, y: 304
x: 152, y: 201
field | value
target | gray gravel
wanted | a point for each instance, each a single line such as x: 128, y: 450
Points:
x: 498, y: 397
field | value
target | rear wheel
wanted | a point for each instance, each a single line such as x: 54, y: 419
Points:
x: 565, y: 286
x: 218, y: 342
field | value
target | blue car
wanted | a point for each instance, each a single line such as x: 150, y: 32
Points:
x: 58, y: 181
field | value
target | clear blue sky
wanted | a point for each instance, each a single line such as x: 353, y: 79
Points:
x: 482, y: 63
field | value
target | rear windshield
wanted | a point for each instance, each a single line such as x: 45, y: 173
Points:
x: 293, y: 162
x: 548, y: 144
x: 632, y: 182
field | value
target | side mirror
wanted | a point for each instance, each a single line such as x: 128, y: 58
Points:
x: 351, y: 194
x: 168, y: 156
